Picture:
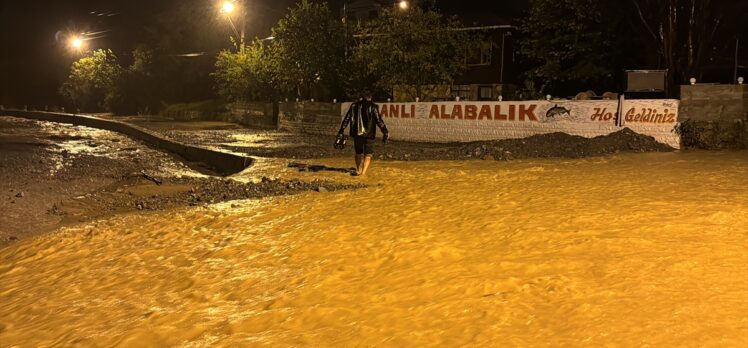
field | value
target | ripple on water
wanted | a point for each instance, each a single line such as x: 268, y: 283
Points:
x: 624, y: 250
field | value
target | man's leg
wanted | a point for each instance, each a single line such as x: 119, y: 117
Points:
x: 368, y: 151
x: 365, y: 165
x: 358, y: 145
x: 359, y: 163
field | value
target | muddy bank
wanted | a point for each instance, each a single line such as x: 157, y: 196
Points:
x: 147, y: 193
x: 552, y: 145
x: 54, y: 174
x: 279, y: 144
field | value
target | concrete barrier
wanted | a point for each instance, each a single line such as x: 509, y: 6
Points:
x: 220, y: 162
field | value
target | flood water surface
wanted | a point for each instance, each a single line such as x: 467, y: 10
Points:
x: 628, y: 250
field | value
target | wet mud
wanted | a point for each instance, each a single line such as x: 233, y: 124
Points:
x: 53, y: 175
x: 279, y: 144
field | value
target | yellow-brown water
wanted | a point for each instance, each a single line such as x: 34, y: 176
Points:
x: 629, y: 250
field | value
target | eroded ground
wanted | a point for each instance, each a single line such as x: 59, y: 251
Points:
x: 55, y: 174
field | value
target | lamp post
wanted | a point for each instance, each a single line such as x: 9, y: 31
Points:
x: 228, y: 8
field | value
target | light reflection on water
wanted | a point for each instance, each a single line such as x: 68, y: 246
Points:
x: 625, y: 250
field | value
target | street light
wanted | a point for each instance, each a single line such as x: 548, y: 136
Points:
x: 76, y: 43
x: 403, y: 5
x: 227, y: 7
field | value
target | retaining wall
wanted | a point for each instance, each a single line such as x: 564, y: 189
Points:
x: 221, y: 162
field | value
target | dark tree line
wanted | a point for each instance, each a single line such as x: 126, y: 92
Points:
x: 566, y: 46
x: 570, y: 44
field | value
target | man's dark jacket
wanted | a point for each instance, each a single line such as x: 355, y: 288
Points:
x: 364, y: 117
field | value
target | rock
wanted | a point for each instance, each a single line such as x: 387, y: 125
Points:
x: 234, y: 205
x: 321, y: 189
x: 20, y: 194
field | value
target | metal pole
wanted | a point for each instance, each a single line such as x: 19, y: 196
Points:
x: 236, y: 32
x: 345, y: 30
x: 735, y: 72
x: 501, y: 72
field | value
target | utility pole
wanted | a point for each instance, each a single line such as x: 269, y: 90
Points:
x: 735, y: 71
x: 345, y: 29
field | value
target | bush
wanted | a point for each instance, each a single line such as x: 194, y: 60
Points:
x: 713, y: 135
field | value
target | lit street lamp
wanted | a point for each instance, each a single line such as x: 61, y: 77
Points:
x: 228, y: 8
x: 76, y: 43
x: 403, y: 5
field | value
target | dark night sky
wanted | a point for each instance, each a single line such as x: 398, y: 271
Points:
x: 35, y: 59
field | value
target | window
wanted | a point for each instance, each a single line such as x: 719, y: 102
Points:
x: 486, y: 93
x: 462, y: 91
x: 479, y: 54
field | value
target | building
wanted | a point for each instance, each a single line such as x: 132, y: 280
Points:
x: 357, y: 12
x: 490, y: 73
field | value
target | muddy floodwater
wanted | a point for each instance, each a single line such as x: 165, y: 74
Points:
x: 629, y: 250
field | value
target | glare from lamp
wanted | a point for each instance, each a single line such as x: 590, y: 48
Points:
x: 227, y: 7
x: 403, y: 5
x: 76, y: 43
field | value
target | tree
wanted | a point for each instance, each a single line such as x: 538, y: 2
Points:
x: 246, y: 74
x: 418, y: 48
x: 308, y: 47
x: 140, y: 87
x: 687, y: 33
x: 570, y: 45
x: 92, y: 80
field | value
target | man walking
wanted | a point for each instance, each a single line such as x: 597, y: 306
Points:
x: 364, y: 118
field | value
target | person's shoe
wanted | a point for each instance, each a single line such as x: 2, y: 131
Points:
x: 355, y: 174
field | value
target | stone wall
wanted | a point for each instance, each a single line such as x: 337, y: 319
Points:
x: 714, y: 116
x: 252, y: 114
x: 714, y: 102
x: 310, y: 117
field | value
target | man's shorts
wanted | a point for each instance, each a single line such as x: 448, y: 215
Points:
x: 363, y: 145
